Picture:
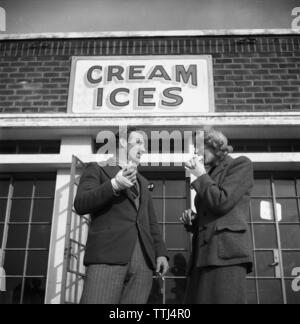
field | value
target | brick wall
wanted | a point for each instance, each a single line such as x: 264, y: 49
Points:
x: 250, y: 73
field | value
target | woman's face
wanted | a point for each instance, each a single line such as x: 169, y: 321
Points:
x: 209, y: 156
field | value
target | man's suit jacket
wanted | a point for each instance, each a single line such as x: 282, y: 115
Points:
x: 221, y: 233
x: 116, y: 223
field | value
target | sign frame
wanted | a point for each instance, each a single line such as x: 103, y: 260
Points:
x: 210, y: 80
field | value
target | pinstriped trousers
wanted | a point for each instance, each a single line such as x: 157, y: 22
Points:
x: 119, y: 284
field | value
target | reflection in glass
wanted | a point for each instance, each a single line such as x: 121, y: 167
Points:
x: 13, y: 291
x: 262, y: 187
x: 17, y: 236
x: 293, y: 291
x: 175, y: 188
x: 264, y: 259
x: 1, y: 232
x: 37, y: 263
x: 156, y: 295
x: 3, y: 203
x: 23, y: 188
x: 265, y: 236
x: 174, y: 209
x: 176, y: 237
x: 40, y: 236
x: 14, y: 263
x: 42, y: 210
x: 20, y: 210
x: 270, y: 291
x: 178, y: 263
x: 290, y: 236
x: 291, y: 261
x: 260, y: 214
x: 289, y: 210
x: 34, y: 291
x: 285, y: 188
x: 175, y: 290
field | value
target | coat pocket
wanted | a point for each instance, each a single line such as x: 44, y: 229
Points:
x: 232, y: 241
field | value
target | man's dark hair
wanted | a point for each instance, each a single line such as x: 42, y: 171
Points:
x: 126, y: 135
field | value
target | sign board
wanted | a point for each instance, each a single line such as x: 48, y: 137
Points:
x: 141, y: 85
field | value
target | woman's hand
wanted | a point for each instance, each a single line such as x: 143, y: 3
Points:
x: 187, y: 217
x: 196, y: 166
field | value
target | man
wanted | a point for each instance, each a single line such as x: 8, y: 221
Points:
x: 222, y: 249
x: 124, y: 244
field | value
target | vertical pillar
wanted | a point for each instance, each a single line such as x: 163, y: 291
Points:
x: 70, y: 145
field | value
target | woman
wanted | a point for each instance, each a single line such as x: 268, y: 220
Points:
x: 222, y: 249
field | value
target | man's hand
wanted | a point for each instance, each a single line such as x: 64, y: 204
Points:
x: 124, y: 179
x: 162, y: 266
x: 187, y: 217
x: 196, y: 166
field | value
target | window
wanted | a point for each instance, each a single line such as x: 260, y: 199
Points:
x: 26, y: 205
x: 29, y: 147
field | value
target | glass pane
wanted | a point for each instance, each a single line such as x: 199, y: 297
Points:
x: 1, y: 233
x: 37, y: 263
x: 270, y: 291
x: 262, y: 210
x: 174, y: 209
x: 13, y: 291
x: 265, y: 236
x: 262, y: 187
x: 34, y: 291
x: 50, y: 147
x: 263, y: 261
x: 159, y: 209
x: 298, y: 187
x: 285, y: 188
x: 175, y: 289
x: 42, y: 210
x: 291, y: 262
x: 7, y: 147
x: 290, y: 236
x: 158, y: 188
x: 40, y: 236
x: 293, y: 291
x: 178, y: 263
x: 4, y: 186
x: 23, y: 188
x: 28, y: 147
x: 45, y: 188
x: 251, y: 292
x: 175, y: 188
x: 20, y: 210
x: 289, y: 210
x: 176, y: 236
x: 156, y: 295
x: 3, y: 203
x: 14, y: 263
x: 17, y: 236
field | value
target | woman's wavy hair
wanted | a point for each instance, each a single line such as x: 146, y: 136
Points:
x: 218, y: 142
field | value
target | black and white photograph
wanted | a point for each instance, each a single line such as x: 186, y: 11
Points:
x: 150, y: 154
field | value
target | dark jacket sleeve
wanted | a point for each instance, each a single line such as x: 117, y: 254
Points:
x: 220, y: 199
x: 92, y: 195
x: 159, y: 245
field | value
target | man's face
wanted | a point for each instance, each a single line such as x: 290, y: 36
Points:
x: 136, y: 147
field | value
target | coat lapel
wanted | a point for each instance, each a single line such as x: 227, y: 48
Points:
x: 220, y: 167
x: 143, y: 189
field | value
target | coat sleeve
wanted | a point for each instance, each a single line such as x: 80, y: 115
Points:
x: 159, y: 244
x: 220, y: 199
x: 92, y: 195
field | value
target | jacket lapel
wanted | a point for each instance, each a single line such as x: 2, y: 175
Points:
x: 143, y: 189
